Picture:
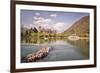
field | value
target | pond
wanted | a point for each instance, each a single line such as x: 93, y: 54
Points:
x: 64, y: 49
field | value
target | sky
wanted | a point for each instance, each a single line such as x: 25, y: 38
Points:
x: 55, y: 20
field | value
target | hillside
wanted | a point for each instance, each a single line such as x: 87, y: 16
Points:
x: 80, y: 27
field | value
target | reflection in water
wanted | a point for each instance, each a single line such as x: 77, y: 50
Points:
x: 64, y: 49
x: 82, y: 46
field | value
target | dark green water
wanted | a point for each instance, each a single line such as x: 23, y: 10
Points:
x: 63, y: 49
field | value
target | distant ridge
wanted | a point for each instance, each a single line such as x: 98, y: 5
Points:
x: 80, y: 27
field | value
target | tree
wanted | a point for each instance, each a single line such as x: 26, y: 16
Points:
x: 35, y: 30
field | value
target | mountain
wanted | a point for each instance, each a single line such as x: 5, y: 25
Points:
x: 80, y: 27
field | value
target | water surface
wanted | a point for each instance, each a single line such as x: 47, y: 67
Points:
x: 63, y: 50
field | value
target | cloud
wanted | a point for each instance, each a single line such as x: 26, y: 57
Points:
x: 59, y: 26
x: 40, y: 21
x: 28, y: 26
x: 35, y: 18
x: 37, y: 14
x: 47, y: 24
x: 53, y: 15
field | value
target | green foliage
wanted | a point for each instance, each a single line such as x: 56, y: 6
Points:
x: 28, y: 36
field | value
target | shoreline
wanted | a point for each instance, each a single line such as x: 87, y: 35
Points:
x: 29, y: 44
x: 83, y: 38
x: 80, y: 38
